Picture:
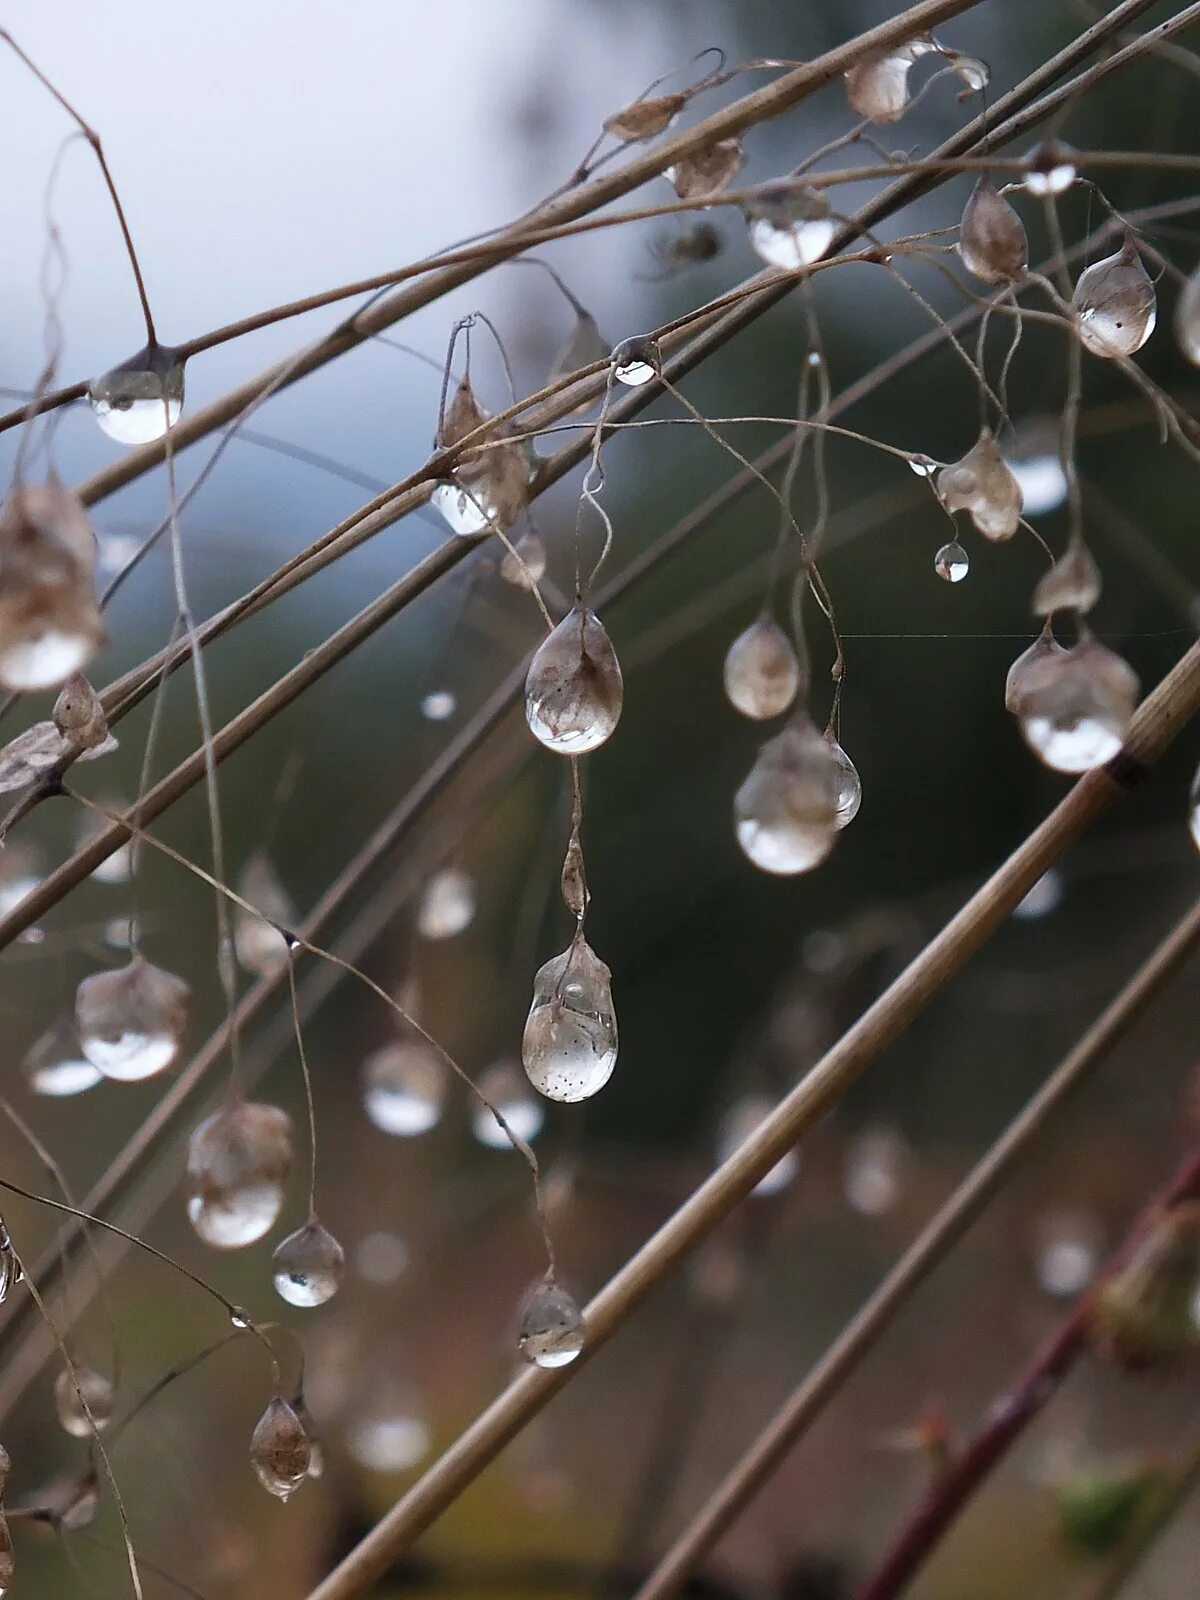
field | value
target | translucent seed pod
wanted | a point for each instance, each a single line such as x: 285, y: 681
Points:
x: 439, y: 705
x: 645, y: 119
x: 79, y: 715
x: 237, y: 1162
x: 1187, y: 318
x: 1034, y: 457
x: 708, y: 170
x: 982, y: 485
x: 307, y: 1266
x: 1073, y: 583
x: 1114, y: 304
x: 55, y: 1066
x: 1194, y: 809
x: 877, y: 86
x: 1074, y: 707
x: 636, y: 361
x: 849, y: 784
x: 1027, y: 669
x: 569, y: 1046
x: 552, y: 1330
x: 447, y: 904
x: 50, y: 623
x: 259, y: 946
x: 531, y: 568
x: 952, y: 563
x: 786, y: 811
x: 464, y: 415
x: 132, y: 1021
x: 573, y: 689
x: 991, y: 238
x: 741, y: 1119
x: 98, y: 1393
x: 1050, y: 168
x: 139, y: 400
x: 506, y: 1087
x: 404, y: 1087
x: 280, y: 1449
x: 790, y: 225
x: 762, y: 671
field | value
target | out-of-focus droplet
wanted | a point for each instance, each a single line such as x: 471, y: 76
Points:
x: 117, y: 867
x: 50, y: 622
x: 762, y: 671
x: 708, y: 170
x: 404, y: 1087
x: 1114, y: 304
x: 1187, y: 318
x: 438, y: 706
x: 573, y: 689
x: 237, y: 1162
x: 261, y: 948
x: 280, y: 1449
x: 1050, y: 168
x: 1194, y: 809
x: 982, y: 485
x: 56, y: 1066
x: 741, y: 1119
x: 98, y: 1396
x: 992, y: 241
x: 19, y: 876
x: 787, y: 811
x: 952, y: 563
x: 636, y: 360
x: 307, y: 1266
x: 877, y: 86
x: 1045, y: 896
x: 460, y: 510
x: 1073, y: 583
x: 552, y: 1331
x: 381, y: 1258
x: 1075, y: 706
x: 131, y: 1021
x: 873, y: 1176
x: 531, y: 568
x: 507, y: 1088
x: 569, y: 1046
x: 136, y: 402
x: 1067, y: 1251
x: 387, y: 1432
x: 447, y: 904
x: 790, y: 225
x: 1034, y: 457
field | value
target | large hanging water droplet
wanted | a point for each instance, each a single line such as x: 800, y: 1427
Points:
x: 97, y: 1392
x: 982, y: 485
x: 786, y: 812
x: 308, y: 1266
x: 877, y: 86
x: 260, y: 947
x: 992, y: 241
x: 237, y: 1162
x: 50, y: 623
x: 552, y: 1330
x: 790, y: 225
x: 506, y: 1087
x: 573, y: 689
x: 487, y: 489
x: 404, y: 1087
x: 280, y: 1449
x: 139, y: 400
x: 762, y: 671
x: 1027, y: 668
x: 952, y: 563
x: 1034, y: 457
x: 131, y: 1021
x: 1075, y: 706
x: 55, y: 1066
x: 1114, y: 303
x: 739, y: 1122
x: 447, y: 905
x: 569, y: 1046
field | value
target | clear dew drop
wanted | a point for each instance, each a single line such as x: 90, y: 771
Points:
x: 404, y: 1087
x: 849, y: 797
x: 1114, y: 304
x: 1067, y: 1247
x: 55, y: 1066
x: 439, y: 706
x: 98, y: 1393
x: 636, y: 361
x: 307, y: 1266
x: 569, y: 1046
x: 790, y: 225
x: 762, y: 671
x: 507, y: 1088
x: 552, y: 1329
x: 260, y: 947
x: 992, y: 241
x: 136, y: 402
x: 1187, y: 318
x: 280, y: 1449
x: 131, y: 1021
x: 237, y: 1162
x: 742, y: 1118
x: 952, y: 563
x: 447, y: 905
x: 787, y: 810
x: 922, y: 466
x: 982, y: 485
x: 573, y: 689
x: 1044, y: 897
x: 1034, y: 457
x: 1074, y: 706
x: 873, y: 1177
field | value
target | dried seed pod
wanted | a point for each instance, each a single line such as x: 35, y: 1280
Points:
x: 280, y: 1449
x: 786, y: 811
x: 131, y: 1021
x: 137, y: 401
x: 1074, y: 706
x: 991, y: 238
x: 877, y: 86
x: 464, y: 415
x: 952, y: 563
x: 7, y: 1564
x: 1114, y: 304
x: 1187, y: 318
x: 574, y: 879
x: 982, y: 485
x: 645, y: 119
x: 762, y: 671
x: 55, y: 1066
x: 1072, y: 584
x: 708, y: 170
x: 237, y: 1162
x: 1145, y: 1315
x: 569, y: 1046
x: 257, y: 941
x: 973, y: 72
x: 50, y: 624
x: 790, y: 224
x: 404, y: 1087
x: 506, y: 1087
x: 636, y: 360
x: 552, y: 1331
x: 1050, y: 168
x: 33, y: 753
x: 98, y: 1397
x: 308, y: 1266
x: 489, y: 489
x: 573, y: 689
x: 741, y: 1120
x: 447, y: 904
x: 79, y: 715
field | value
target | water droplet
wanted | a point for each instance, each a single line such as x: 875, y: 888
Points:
x: 1187, y: 318
x: 787, y: 811
x: 552, y: 1331
x: 636, y: 361
x: 1067, y: 1251
x: 1034, y: 457
x: 992, y: 240
x: 280, y: 1450
x: 1075, y: 706
x: 139, y: 400
x: 55, y: 1065
x: 742, y: 1118
x: 131, y: 1021
x: 50, y: 623
x: 237, y: 1162
x: 97, y: 1391
x: 708, y: 170
x: 308, y: 1266
x: 439, y: 706
x: 874, y: 1171
x: 381, y: 1258
x: 261, y: 948
x: 488, y: 489
x: 388, y: 1434
x: 1073, y: 583
x: 952, y: 562
x: 790, y: 225
x: 569, y: 1046
x: 447, y: 905
x: 460, y: 510
x: 923, y: 466
x: 404, y: 1086
x: 877, y: 86
x: 1114, y: 303
x: 1050, y: 168
x: 116, y: 868
x: 573, y: 690
x: 507, y: 1088
x: 849, y: 797
x: 762, y: 671
x: 1194, y: 809
x: 1045, y: 896
x: 982, y: 485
